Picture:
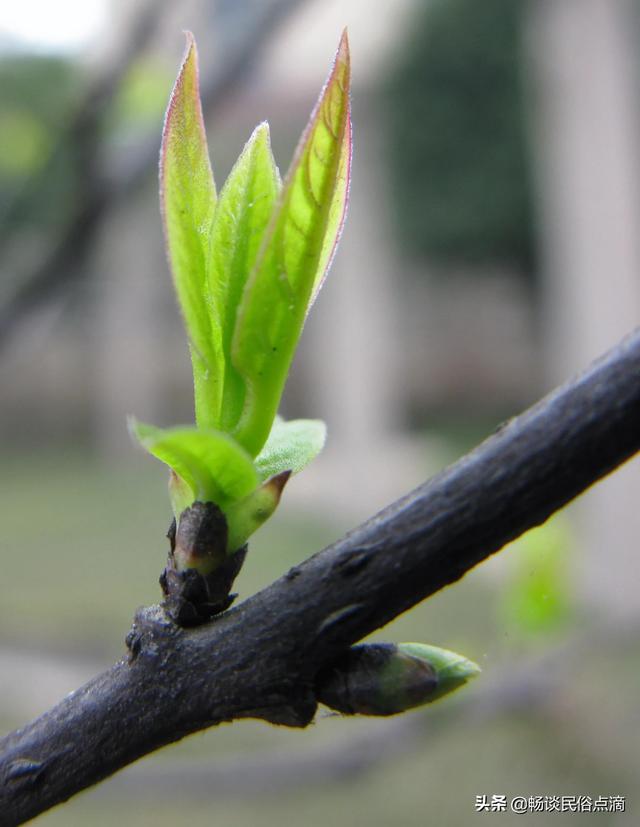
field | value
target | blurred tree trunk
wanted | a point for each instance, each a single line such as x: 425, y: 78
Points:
x: 585, y: 77
x: 354, y: 344
x: 130, y: 335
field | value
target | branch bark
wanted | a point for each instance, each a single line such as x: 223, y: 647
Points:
x: 260, y: 659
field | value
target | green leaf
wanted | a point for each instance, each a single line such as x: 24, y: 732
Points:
x: 291, y: 446
x: 337, y: 211
x: 291, y: 264
x: 187, y: 200
x: 242, y: 215
x: 537, y: 600
x: 246, y: 516
x: 180, y: 494
x: 211, y: 463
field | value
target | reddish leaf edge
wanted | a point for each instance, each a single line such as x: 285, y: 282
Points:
x: 343, y: 54
x: 190, y: 48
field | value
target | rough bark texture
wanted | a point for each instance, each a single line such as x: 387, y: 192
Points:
x: 260, y: 659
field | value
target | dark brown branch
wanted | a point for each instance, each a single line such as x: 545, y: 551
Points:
x: 532, y: 687
x: 260, y: 659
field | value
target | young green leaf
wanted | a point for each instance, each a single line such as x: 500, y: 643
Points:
x: 180, y: 494
x: 297, y: 249
x: 244, y: 208
x: 211, y: 463
x: 247, y: 515
x: 187, y: 200
x: 291, y: 446
x: 337, y: 211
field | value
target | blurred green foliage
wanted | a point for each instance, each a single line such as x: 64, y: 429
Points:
x: 140, y: 99
x: 42, y: 134
x: 36, y: 97
x: 24, y: 141
x: 537, y: 600
x: 457, y: 135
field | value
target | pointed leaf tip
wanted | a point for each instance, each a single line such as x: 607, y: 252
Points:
x: 340, y: 200
x: 187, y: 84
x: 187, y: 203
x: 298, y: 247
x: 277, y: 483
x: 344, y: 51
x: 246, y: 516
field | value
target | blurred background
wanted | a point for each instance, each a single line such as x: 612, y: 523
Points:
x: 491, y: 251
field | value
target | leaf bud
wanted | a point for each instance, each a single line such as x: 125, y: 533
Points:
x: 389, y: 678
x: 201, y: 538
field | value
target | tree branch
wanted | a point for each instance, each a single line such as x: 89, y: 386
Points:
x: 260, y: 659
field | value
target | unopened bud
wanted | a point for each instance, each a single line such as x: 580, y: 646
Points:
x: 201, y: 538
x: 452, y: 670
x: 388, y: 678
